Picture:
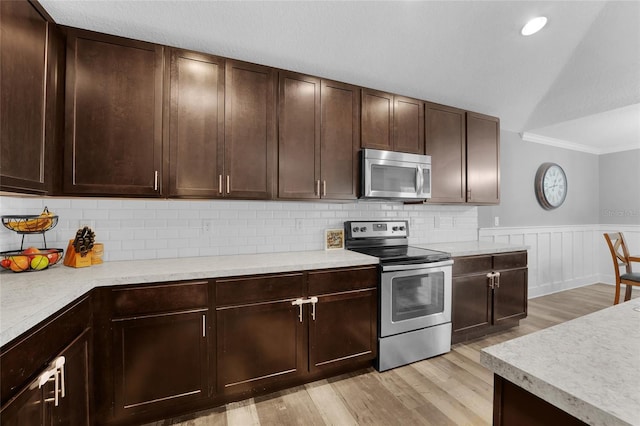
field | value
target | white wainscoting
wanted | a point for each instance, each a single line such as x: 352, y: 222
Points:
x: 563, y: 257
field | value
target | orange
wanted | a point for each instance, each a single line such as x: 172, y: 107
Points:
x: 19, y: 263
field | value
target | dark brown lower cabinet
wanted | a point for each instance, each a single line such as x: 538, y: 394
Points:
x: 515, y: 406
x: 38, y: 404
x: 489, y: 294
x: 153, y: 351
x: 306, y: 326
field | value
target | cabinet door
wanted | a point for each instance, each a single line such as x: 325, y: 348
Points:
x: 196, y: 124
x: 446, y: 144
x: 471, y: 305
x: 250, y: 130
x: 342, y: 329
x: 258, y: 345
x: 160, y: 361
x: 73, y: 408
x: 408, y: 125
x: 339, y: 140
x: 113, y: 116
x: 510, y: 297
x: 483, y: 159
x: 25, y: 409
x: 26, y: 64
x: 377, y: 120
x: 299, y: 137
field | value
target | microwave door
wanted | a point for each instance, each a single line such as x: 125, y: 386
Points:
x: 388, y: 179
x: 424, y: 173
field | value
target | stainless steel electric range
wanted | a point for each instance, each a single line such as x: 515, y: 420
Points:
x: 414, y: 321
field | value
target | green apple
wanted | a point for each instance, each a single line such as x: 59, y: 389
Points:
x: 39, y: 262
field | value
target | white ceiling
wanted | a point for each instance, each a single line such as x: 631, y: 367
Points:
x: 575, y: 84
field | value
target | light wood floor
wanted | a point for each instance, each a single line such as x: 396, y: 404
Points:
x: 452, y: 389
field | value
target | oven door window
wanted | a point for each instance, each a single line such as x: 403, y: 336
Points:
x: 417, y: 296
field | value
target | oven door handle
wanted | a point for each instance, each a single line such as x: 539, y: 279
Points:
x: 410, y: 267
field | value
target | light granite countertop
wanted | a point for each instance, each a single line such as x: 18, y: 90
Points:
x: 27, y: 298
x: 471, y: 248
x: 588, y: 367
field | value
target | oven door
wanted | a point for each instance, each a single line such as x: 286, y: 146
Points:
x: 415, y: 297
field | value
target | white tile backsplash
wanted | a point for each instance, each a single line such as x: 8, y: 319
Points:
x: 149, y: 229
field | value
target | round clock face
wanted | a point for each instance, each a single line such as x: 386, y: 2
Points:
x: 551, y: 185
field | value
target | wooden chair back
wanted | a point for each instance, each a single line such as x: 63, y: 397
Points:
x: 619, y: 252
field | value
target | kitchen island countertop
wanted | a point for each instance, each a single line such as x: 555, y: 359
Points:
x: 587, y: 367
x: 27, y: 298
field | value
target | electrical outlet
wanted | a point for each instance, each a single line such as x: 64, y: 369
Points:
x: 496, y: 221
x: 207, y: 226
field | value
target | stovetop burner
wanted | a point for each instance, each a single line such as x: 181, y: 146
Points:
x: 405, y: 254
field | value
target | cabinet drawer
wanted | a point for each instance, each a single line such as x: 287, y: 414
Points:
x: 510, y: 260
x: 332, y: 281
x: 471, y: 265
x: 159, y: 298
x: 238, y: 291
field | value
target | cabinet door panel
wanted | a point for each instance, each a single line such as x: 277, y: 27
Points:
x: 377, y: 120
x: 344, y: 329
x: 471, y: 307
x: 196, y: 124
x: 250, y: 130
x: 26, y: 408
x: 73, y: 409
x: 113, y: 115
x: 299, y: 137
x: 23, y: 75
x: 510, y: 299
x: 408, y: 125
x: 483, y: 159
x: 159, y: 360
x: 259, y: 344
x: 340, y: 138
x: 446, y: 144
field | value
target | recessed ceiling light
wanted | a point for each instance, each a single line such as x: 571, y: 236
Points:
x: 534, y: 25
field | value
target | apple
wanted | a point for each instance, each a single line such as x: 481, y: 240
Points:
x: 39, y: 262
x: 19, y: 263
x: 53, y: 257
x: 31, y: 251
x: 5, y: 263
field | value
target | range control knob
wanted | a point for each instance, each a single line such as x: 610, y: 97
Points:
x: 395, y: 228
x: 356, y: 229
x: 402, y: 228
x: 363, y: 229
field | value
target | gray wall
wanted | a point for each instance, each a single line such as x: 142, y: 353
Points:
x: 620, y: 188
x: 519, y: 161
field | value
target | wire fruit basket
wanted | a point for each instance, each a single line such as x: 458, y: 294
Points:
x: 31, y: 259
x: 31, y: 224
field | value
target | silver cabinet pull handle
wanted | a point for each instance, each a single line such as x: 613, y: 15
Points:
x: 324, y: 188
x: 204, y: 325
x: 318, y: 187
x: 490, y: 277
x: 298, y: 302
x: 155, y: 180
x: 497, y: 279
x: 228, y: 184
x: 313, y: 301
x: 220, y: 184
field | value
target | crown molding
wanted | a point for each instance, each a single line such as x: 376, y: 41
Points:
x: 561, y: 143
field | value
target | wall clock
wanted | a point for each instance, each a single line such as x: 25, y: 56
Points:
x: 550, y: 185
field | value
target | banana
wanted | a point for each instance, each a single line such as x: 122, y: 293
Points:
x: 36, y: 224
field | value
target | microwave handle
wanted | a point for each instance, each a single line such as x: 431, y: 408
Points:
x: 419, y: 180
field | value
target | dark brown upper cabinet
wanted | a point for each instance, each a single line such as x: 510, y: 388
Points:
x: 483, y: 159
x: 446, y: 144
x: 250, y: 147
x: 195, y: 125
x: 391, y: 122
x: 113, y: 135
x: 318, y: 138
x: 299, y: 137
x: 31, y: 77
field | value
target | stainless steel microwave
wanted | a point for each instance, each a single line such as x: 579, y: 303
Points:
x: 395, y: 175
